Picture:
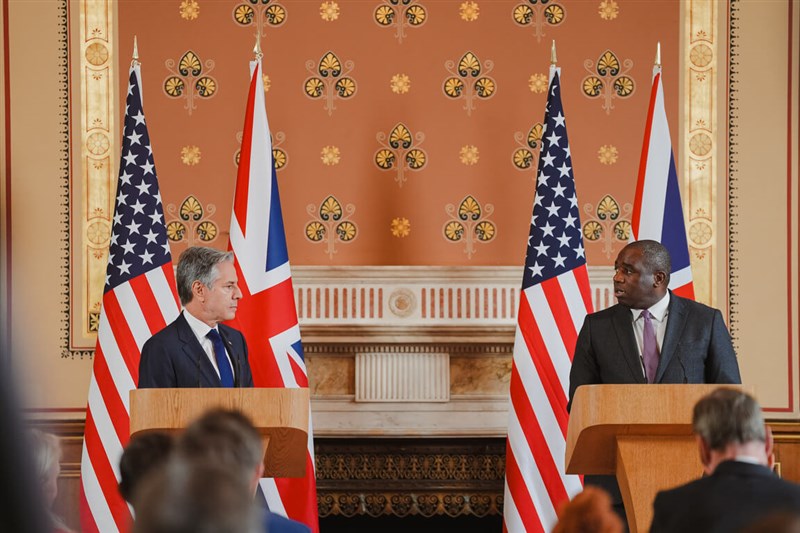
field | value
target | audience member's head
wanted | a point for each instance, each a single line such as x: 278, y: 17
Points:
x: 144, y: 454
x: 728, y: 424
x: 226, y: 438
x: 589, y: 512
x: 194, y: 497
x: 46, y: 452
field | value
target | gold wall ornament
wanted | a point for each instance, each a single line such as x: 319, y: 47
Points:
x: 538, y: 13
x: 190, y: 80
x: 329, y: 80
x: 401, y: 227
x: 330, y: 223
x: 189, y: 9
x: 400, y: 84
x: 261, y: 14
x: 607, y: 223
x: 329, y: 11
x: 524, y: 157
x: 608, y: 10
x: 400, y: 152
x: 469, y: 222
x: 280, y: 158
x: 608, y: 79
x: 469, y: 80
x: 400, y: 14
x: 469, y: 11
x: 191, y: 222
x: 469, y: 155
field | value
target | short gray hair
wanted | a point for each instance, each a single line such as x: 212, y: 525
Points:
x: 198, y: 263
x: 728, y: 416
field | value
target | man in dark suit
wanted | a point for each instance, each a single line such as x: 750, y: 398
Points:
x: 650, y: 336
x: 739, y: 488
x: 196, y: 350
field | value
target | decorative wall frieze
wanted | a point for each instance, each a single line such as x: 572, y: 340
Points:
x: 402, y: 377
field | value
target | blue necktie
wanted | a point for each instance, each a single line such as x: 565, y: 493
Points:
x: 225, y: 373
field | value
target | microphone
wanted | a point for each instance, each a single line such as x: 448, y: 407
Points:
x: 683, y: 369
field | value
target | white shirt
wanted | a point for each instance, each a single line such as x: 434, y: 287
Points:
x: 200, y: 330
x: 659, y: 312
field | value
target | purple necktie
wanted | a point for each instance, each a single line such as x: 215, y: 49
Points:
x: 649, y: 347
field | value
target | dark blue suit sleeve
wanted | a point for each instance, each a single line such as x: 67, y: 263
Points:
x: 156, y: 370
x: 585, y: 370
x: 721, y: 364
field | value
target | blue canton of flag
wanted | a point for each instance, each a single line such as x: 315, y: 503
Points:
x: 138, y: 236
x: 555, y: 244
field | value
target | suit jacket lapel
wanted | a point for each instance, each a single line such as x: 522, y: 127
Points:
x: 196, y: 354
x: 676, y: 320
x: 623, y: 327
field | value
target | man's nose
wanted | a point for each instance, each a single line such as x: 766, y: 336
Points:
x: 237, y: 293
x: 617, y: 277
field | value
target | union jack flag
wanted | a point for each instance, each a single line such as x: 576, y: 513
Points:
x: 657, y: 211
x: 139, y: 300
x: 266, y: 314
x: 554, y: 300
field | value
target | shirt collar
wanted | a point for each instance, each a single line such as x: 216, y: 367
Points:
x: 199, y: 327
x: 658, y: 310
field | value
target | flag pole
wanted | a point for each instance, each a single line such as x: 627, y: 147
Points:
x: 658, y: 55
x: 257, y: 48
x: 553, y: 58
x: 135, y: 60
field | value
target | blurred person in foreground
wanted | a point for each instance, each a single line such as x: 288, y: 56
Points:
x: 145, y: 454
x: 228, y: 438
x: 46, y: 452
x: 739, y: 487
x: 194, y: 497
x: 589, y: 512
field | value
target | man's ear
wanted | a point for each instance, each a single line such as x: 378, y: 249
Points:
x: 659, y: 278
x: 705, y: 453
x: 198, y: 290
x: 769, y: 446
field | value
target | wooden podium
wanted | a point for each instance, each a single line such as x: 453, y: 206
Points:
x: 279, y: 415
x: 641, y: 433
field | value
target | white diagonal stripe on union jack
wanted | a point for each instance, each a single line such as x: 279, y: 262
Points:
x: 139, y: 300
x: 554, y: 301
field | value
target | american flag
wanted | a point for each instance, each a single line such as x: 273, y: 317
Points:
x: 657, y: 211
x: 266, y: 314
x: 139, y: 299
x: 554, y: 300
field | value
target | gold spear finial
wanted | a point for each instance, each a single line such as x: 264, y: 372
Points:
x: 257, y: 48
x: 658, y: 54
x: 135, y: 60
x: 553, y: 59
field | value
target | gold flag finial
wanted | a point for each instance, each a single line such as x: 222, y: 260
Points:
x: 135, y: 60
x: 553, y: 59
x: 257, y: 48
x: 658, y: 54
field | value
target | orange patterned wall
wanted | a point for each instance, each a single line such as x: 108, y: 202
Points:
x: 385, y: 78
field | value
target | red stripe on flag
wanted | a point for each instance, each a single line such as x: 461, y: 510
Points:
x: 105, y: 474
x: 685, y: 291
x: 637, y: 199
x: 143, y: 292
x: 169, y: 273
x: 543, y: 363
x: 243, y: 176
x: 581, y: 274
x: 299, y: 374
x: 88, y: 525
x: 520, y: 494
x: 537, y: 442
x: 561, y: 313
x: 299, y: 497
x: 111, y: 397
x: 123, y: 337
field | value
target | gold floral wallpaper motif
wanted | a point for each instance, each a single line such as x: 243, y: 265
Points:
x: 526, y: 156
x: 469, y: 80
x: 330, y: 80
x: 469, y: 223
x: 401, y: 152
x: 259, y: 13
x: 330, y: 224
x: 191, y: 223
x: 400, y: 15
x: 190, y: 80
x: 607, y: 224
x: 539, y: 14
x: 608, y: 79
